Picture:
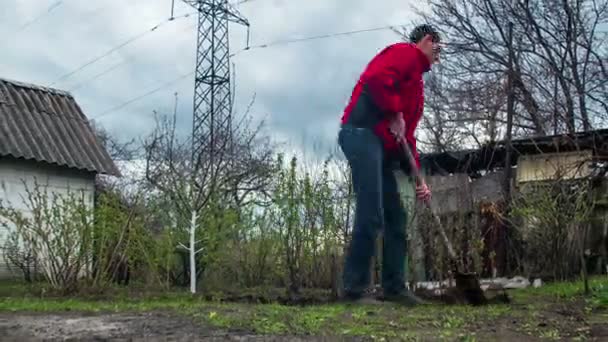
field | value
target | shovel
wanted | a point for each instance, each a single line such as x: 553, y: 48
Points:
x: 467, y: 284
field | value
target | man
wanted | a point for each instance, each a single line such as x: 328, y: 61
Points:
x: 384, y: 110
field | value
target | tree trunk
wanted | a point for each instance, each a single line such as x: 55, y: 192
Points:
x: 583, y: 259
x: 604, y: 245
x: 193, y: 252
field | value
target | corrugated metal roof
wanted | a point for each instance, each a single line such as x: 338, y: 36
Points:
x: 47, y: 125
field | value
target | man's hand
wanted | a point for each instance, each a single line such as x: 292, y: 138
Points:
x: 397, y: 126
x: 423, y: 192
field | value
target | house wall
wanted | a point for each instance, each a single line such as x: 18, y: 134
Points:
x: 540, y: 167
x: 16, y: 176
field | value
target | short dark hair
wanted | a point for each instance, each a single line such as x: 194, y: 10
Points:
x: 421, y: 31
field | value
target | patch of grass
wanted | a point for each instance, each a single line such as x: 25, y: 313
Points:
x: 74, y: 304
x: 551, y: 334
x: 386, y: 322
x: 315, y: 320
x: 599, y: 299
x: 12, y: 288
x: 467, y: 338
x: 381, y: 323
x: 560, y: 290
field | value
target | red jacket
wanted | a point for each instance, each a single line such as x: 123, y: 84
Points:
x: 391, y: 83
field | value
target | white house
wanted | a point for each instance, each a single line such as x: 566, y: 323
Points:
x: 45, y: 138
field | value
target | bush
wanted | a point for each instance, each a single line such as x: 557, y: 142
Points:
x: 54, y: 230
x: 75, y: 245
x: 555, y: 219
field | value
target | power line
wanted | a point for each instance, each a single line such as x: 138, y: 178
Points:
x: 129, y: 41
x: 124, y: 104
x: 324, y: 36
x: 51, y: 8
x: 107, y: 71
x: 259, y: 46
x: 101, y: 8
x: 33, y: 21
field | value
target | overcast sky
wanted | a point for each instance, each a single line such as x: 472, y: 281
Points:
x: 300, y: 88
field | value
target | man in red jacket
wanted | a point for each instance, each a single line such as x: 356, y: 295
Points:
x: 386, y: 104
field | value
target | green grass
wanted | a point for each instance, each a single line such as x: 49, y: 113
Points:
x: 381, y: 322
x: 562, y: 290
x: 385, y: 322
x: 599, y: 297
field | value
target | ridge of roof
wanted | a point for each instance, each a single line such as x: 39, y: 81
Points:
x: 38, y: 87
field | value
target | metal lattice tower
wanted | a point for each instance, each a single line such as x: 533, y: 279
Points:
x: 212, y: 94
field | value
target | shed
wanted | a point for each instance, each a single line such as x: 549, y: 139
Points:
x: 45, y: 139
x: 535, y: 160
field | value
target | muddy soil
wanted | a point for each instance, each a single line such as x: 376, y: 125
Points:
x: 155, y: 326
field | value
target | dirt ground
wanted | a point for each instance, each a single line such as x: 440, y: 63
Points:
x: 555, y: 312
x: 167, y: 326
x: 156, y: 326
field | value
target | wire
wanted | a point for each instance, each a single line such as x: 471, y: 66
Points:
x: 103, y: 7
x: 129, y: 41
x: 108, y: 70
x: 304, y: 39
x: 260, y: 46
x: 33, y: 21
x: 53, y: 7
x: 124, y: 104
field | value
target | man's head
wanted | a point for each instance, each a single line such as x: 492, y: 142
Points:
x: 428, y: 40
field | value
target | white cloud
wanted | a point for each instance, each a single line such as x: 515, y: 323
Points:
x: 301, y: 87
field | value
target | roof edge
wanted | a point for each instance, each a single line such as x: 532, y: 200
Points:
x: 36, y: 87
x: 114, y: 172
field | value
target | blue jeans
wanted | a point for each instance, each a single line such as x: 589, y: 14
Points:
x: 378, y: 206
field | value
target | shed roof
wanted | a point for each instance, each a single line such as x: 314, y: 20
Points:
x: 47, y: 125
x: 493, y: 154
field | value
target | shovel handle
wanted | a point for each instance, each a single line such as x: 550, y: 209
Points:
x: 419, y: 180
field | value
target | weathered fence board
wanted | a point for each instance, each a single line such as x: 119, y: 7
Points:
x: 487, y: 188
x: 450, y: 193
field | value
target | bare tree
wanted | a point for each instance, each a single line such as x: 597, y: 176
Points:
x: 226, y: 171
x: 117, y: 150
x: 252, y: 163
x: 559, y: 67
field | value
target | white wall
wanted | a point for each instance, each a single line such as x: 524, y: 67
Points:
x: 57, y: 180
